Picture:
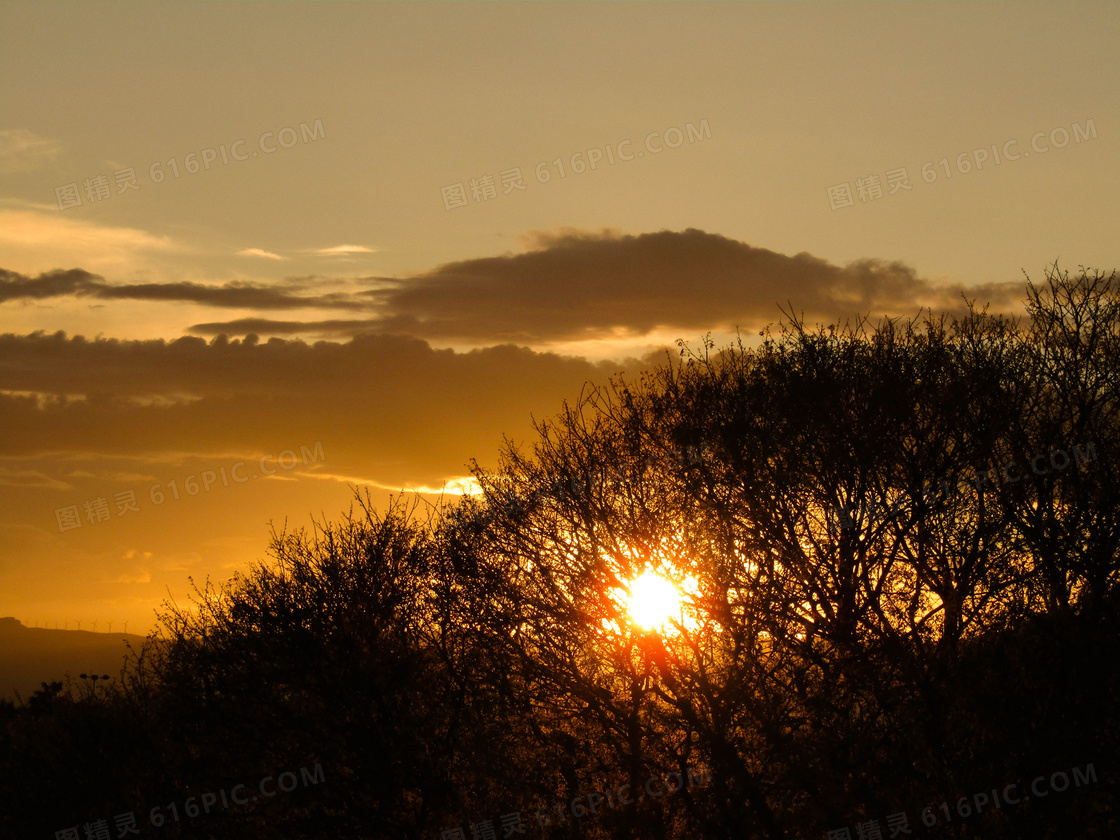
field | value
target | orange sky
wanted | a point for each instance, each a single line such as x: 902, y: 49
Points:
x: 397, y: 201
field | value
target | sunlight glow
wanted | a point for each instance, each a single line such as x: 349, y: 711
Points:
x: 653, y: 600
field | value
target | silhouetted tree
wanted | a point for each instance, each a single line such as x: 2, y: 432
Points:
x: 898, y: 551
x: 855, y: 554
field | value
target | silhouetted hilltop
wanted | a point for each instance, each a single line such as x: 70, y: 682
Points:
x: 31, y: 655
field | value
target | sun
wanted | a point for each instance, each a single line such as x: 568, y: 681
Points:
x: 652, y: 601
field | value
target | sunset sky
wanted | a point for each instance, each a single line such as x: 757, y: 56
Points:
x: 367, y: 234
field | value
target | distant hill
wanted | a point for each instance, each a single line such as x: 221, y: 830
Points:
x: 30, y: 656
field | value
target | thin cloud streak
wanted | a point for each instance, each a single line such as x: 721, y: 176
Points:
x: 24, y: 151
x: 344, y: 250
x: 80, y: 283
x: 258, y: 252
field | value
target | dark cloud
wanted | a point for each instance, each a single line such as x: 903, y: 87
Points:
x: 241, y: 296
x: 14, y: 286
x: 585, y: 285
x: 569, y: 286
x: 389, y: 408
x: 575, y: 285
x: 333, y: 328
